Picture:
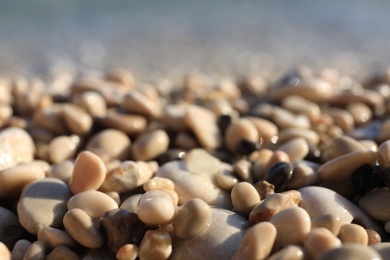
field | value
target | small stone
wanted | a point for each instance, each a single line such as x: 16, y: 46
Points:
x: 244, y: 197
x: 373, y: 237
x: 279, y: 174
x: 62, y: 148
x: 364, y: 179
x: 245, y: 147
x: 76, y: 119
x: 20, y: 249
x: 139, y: 103
x: 297, y: 148
x: 43, y: 204
x: 131, y: 203
x: 127, y: 252
x: 375, y: 202
x: 62, y: 171
x: 268, y: 131
x: 264, y: 189
x: 351, y: 251
x: 320, y: 240
x: 353, y: 233
x: 304, y: 174
x: 328, y: 221
x: 89, y: 172
x: 62, y: 252
x: 243, y: 129
x: 199, y: 161
x: 53, y: 237
x: 35, y: 251
x: 289, y: 253
x: 150, y: 145
x: 129, y: 124
x: 156, y: 244
x: 92, y: 102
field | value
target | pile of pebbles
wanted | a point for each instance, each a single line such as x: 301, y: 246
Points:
x: 104, y: 167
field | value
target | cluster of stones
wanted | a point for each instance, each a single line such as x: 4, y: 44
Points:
x: 99, y: 167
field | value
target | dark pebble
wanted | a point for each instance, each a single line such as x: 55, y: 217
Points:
x: 223, y: 122
x: 245, y: 147
x: 364, y: 179
x: 170, y: 155
x: 279, y: 174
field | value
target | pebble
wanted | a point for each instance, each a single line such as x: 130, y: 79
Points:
x: 320, y: 240
x: 186, y: 141
x: 114, y: 222
x: 158, y: 183
x: 42, y: 204
x: 373, y: 237
x: 62, y: 252
x: 62, y: 170
x: 351, y: 251
x: 199, y: 161
x: 16, y: 146
x: 127, y: 252
x: 244, y: 198
x: 383, y: 249
x: 89, y: 173
x: 318, y: 201
x: 328, y: 221
x: 14, y: 179
x: 131, y: 203
x: 270, y: 206
x: 156, y: 244
x: 203, y: 124
x: 290, y: 252
x: 260, y: 160
x: 129, y: 124
x: 126, y: 177
x: 341, y: 168
x: 279, y: 174
x: 309, y: 135
x: 364, y: 179
x: 297, y: 148
x: 110, y: 144
x: 173, y: 117
x: 304, y: 174
x: 360, y: 112
x: 156, y: 208
x: 92, y: 102
x: 36, y: 251
x: 257, y: 243
x: 62, y: 148
x: 53, y: 237
x: 245, y: 147
x: 292, y: 226
x: 375, y: 202
x: 80, y: 226
x: 384, y: 154
x: 94, y: 203
x: 50, y: 119
x: 342, y: 118
x: 353, y: 233
x: 340, y: 146
x: 20, y: 249
x: 242, y: 168
x: 123, y: 77
x: 76, y: 119
x: 300, y: 105
x: 242, y: 129
x: 138, y: 103
x: 192, y: 217
x: 225, y: 178
x: 264, y: 189
x: 150, y: 145
x: 286, y: 119
x: 267, y: 130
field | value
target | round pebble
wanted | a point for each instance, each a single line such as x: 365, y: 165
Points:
x: 150, y: 145
x: 76, y: 119
x: 244, y: 198
x: 63, y: 148
x: 320, y: 240
x: 375, y: 204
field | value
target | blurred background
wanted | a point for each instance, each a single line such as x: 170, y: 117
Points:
x: 220, y: 36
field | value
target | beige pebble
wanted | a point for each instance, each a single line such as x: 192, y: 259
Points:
x: 94, y: 203
x: 16, y: 146
x: 384, y: 154
x: 156, y: 208
x: 76, y: 119
x: 115, y: 196
x: 309, y: 135
x: 174, y: 196
x: 257, y: 243
x: 36, y: 251
x: 277, y: 156
x: 243, y: 169
x: 42, y: 204
x: 320, y: 240
x: 296, y: 148
x: 127, y: 252
x: 199, y: 161
x: 50, y: 119
x: 292, y: 225
x: 62, y: 252
x: 286, y: 119
x: 110, y: 143
x: 241, y: 129
x: 375, y: 204
x: 353, y: 233
x: 192, y: 218
x: 156, y: 244
x: 351, y: 251
x: 341, y: 168
x: 131, y: 203
x: 360, y: 112
x: 42, y: 151
x: 261, y: 159
x: 92, y: 102
x: 342, y: 118
x: 53, y: 237
x: 369, y: 144
x: 304, y: 174
x: 5, y: 254
x: 129, y: 124
x: 121, y: 76
x: 186, y: 141
x: 89, y: 173
x: 329, y: 221
x: 264, y: 189
x: 80, y: 226
x: 270, y: 206
x: 340, y: 146
x: 373, y: 237
x: 6, y: 113
x: 300, y: 105
x: 225, y: 178
x: 62, y: 170
x: 20, y: 249
x: 158, y: 183
x: 189, y: 185
x: 126, y: 177
x: 267, y: 130
x: 203, y: 124
x: 63, y: 148
x: 150, y: 145
x: 383, y: 249
x: 14, y: 179
x: 244, y: 197
x: 290, y: 252
x: 173, y: 117
x: 138, y: 103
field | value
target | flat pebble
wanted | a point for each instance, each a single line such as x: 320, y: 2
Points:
x: 375, y: 204
x: 76, y: 119
x: 150, y: 145
x: 92, y: 102
x: 110, y: 144
x: 351, y: 251
x: 129, y: 124
x: 62, y: 148
x: 320, y: 240
x: 14, y: 179
x: 94, y: 203
x: 80, y: 226
x: 126, y: 177
x: 203, y: 124
x: 43, y: 204
x: 291, y: 252
x: 292, y: 225
x: 89, y: 173
x: 257, y: 243
x: 16, y: 147
x: 138, y: 103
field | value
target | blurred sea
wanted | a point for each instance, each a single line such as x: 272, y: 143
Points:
x: 151, y: 37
